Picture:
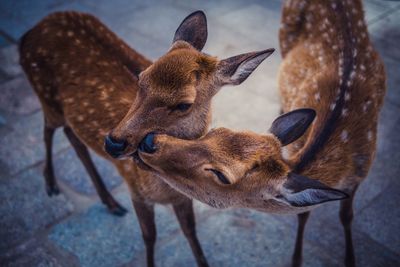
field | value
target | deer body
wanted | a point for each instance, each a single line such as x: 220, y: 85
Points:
x: 88, y: 82
x: 89, y: 92
x: 331, y: 76
x: 329, y: 65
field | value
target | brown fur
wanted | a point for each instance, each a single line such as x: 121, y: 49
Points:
x: 88, y: 82
x: 342, y: 160
x: 328, y: 65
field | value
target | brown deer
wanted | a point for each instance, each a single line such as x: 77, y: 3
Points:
x: 330, y: 69
x: 89, y: 82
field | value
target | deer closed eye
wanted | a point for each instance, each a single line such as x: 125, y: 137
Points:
x: 221, y: 177
x: 182, y: 107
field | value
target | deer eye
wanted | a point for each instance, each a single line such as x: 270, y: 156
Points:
x: 255, y: 167
x: 221, y: 177
x: 182, y: 107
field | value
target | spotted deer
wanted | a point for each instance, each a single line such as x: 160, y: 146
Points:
x: 97, y: 88
x: 332, y: 84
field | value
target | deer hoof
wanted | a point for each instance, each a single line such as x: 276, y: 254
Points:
x: 117, y: 210
x: 52, y: 190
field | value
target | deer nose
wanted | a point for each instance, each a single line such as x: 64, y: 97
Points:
x: 114, y: 147
x: 147, y: 144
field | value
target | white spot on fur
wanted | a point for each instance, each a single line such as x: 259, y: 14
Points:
x: 332, y: 106
x: 80, y: 118
x: 352, y: 74
x: 347, y: 96
x: 317, y: 96
x: 128, y: 166
x: 70, y: 33
x: 369, y: 135
x: 366, y: 105
x: 354, y: 52
x: 345, y: 111
x: 344, y: 136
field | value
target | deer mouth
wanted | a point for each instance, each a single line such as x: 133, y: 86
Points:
x: 136, y: 158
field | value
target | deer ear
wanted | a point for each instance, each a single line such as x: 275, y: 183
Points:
x: 235, y: 70
x: 292, y: 125
x: 301, y: 191
x: 193, y: 30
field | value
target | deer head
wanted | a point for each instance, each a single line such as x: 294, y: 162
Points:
x: 175, y: 92
x: 228, y: 169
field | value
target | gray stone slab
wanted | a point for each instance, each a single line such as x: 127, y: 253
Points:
x: 13, y: 27
x: 144, y: 44
x: 4, y: 41
x: 69, y: 168
x: 257, y: 22
x: 98, y: 238
x: 385, y: 35
x: 25, y: 207
x: 375, y: 9
x: 379, y: 219
x: 23, y: 146
x: 113, y: 12
x: 241, y: 238
x: 19, y: 16
x: 17, y: 97
x: 159, y: 21
x: 9, y: 58
x: 37, y: 252
x: 239, y: 109
x: 212, y: 8
x: 328, y: 236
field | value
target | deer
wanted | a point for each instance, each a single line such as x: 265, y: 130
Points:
x: 108, y: 97
x: 332, y: 84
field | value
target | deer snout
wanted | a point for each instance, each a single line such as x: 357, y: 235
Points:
x: 114, y: 147
x: 147, y: 144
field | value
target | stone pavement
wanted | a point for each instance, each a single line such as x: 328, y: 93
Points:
x: 74, y: 229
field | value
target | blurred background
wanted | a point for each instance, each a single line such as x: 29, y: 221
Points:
x: 74, y: 228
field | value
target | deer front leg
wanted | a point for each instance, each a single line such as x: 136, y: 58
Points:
x: 145, y: 215
x: 51, y: 184
x: 297, y: 257
x: 185, y: 215
x: 346, y: 217
x: 113, y: 206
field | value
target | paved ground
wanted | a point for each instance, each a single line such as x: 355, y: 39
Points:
x: 74, y: 229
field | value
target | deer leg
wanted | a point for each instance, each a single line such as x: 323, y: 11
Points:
x: 297, y: 257
x: 184, y: 213
x: 51, y: 184
x: 346, y: 217
x: 113, y: 206
x: 145, y: 215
